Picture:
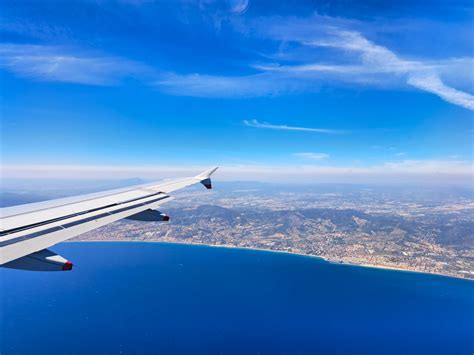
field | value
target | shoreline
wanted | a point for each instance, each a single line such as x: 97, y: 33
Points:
x: 224, y: 246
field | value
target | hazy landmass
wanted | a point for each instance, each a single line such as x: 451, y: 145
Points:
x: 427, y: 229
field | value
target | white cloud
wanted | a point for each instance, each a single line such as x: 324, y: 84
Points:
x: 323, y: 51
x: 239, y: 6
x: 432, y: 83
x: 378, y: 64
x: 266, y: 125
x: 47, y: 63
x: 350, y: 58
x: 312, y: 156
x: 201, y: 85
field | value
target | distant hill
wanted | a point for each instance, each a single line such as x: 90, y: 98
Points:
x: 11, y: 199
x: 350, y: 221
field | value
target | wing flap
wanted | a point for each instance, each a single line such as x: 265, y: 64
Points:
x: 149, y: 215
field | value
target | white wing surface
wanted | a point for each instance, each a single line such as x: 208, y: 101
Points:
x: 26, y: 231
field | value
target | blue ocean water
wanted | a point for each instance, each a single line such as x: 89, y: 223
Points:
x: 153, y: 298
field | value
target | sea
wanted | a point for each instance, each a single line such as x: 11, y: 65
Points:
x: 158, y: 298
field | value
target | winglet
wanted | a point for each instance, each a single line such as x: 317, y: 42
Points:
x: 205, y: 177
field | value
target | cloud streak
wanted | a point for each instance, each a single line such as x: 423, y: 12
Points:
x: 432, y: 83
x: 376, y: 59
x: 311, y: 52
x: 211, y: 86
x: 48, y: 63
x: 266, y: 125
x: 312, y: 156
x: 348, y: 58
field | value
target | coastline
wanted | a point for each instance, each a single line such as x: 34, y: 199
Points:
x: 322, y: 258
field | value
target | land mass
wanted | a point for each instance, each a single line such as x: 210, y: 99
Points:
x: 362, y: 226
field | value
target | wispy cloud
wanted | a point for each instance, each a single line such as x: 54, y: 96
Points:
x: 48, y: 63
x: 327, y: 51
x: 266, y: 125
x: 312, y: 156
x: 371, y: 63
x: 432, y: 83
x: 239, y: 6
x: 202, y: 85
x: 308, y: 53
x: 376, y: 59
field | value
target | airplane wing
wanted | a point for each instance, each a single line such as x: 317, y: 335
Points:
x: 26, y: 231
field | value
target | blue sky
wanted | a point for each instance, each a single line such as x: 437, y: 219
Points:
x: 318, y: 91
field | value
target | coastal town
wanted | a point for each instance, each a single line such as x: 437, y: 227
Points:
x: 344, y: 224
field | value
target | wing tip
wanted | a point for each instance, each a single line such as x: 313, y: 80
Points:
x: 205, y: 177
x: 207, y: 174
